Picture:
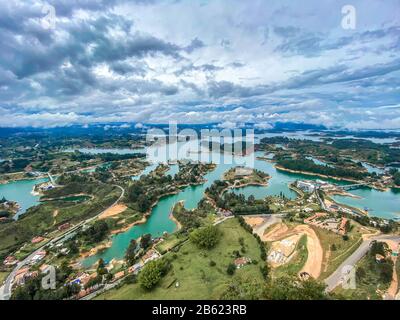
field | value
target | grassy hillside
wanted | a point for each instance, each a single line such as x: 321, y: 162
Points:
x: 192, y: 270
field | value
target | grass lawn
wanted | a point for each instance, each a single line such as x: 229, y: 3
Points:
x: 170, y: 242
x: 297, y: 262
x: 191, y: 268
x: 3, y: 276
x: 333, y: 258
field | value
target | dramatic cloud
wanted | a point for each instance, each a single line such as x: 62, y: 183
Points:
x: 227, y: 62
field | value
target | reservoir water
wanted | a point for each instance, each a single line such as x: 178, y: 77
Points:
x: 159, y: 221
x: 20, y: 191
x: 381, y: 204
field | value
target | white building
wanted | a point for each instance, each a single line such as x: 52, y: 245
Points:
x: 305, y: 186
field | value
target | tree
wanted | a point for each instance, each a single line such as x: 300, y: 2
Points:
x: 73, y: 248
x: 231, y: 269
x: 101, y: 267
x: 152, y: 273
x: 360, y: 273
x: 145, y: 241
x: 243, y: 288
x: 291, y: 288
x: 251, y: 199
x: 265, y: 271
x: 93, y: 282
x: 386, y: 271
x: 131, y: 252
x: 377, y: 248
x: 205, y: 237
x: 143, y: 203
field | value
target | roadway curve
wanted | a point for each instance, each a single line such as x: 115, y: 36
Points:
x: 5, y: 290
x: 336, y: 277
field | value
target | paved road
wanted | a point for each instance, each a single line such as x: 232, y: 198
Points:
x: 336, y: 278
x: 321, y: 202
x: 5, y: 290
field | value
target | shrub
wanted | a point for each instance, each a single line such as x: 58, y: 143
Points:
x: 231, y: 269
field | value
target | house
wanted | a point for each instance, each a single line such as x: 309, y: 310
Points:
x: 241, y: 262
x: 37, y: 240
x: 150, y: 255
x: 135, y: 268
x: 119, y: 275
x: 37, y: 257
x: 379, y: 258
x: 242, y: 172
x: 305, y: 186
x: 10, y: 261
x: 225, y: 213
x: 81, y: 279
x: 24, y: 274
x: 43, y: 268
x: 64, y: 226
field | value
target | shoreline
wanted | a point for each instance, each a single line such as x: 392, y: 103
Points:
x: 71, y: 195
x: 148, y: 213
x: 93, y: 251
x: 316, y: 174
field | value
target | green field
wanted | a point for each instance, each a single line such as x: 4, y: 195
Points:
x: 170, y: 242
x: 191, y: 269
x: 334, y: 258
x: 3, y: 276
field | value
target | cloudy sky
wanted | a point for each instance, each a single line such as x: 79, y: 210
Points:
x: 198, y: 61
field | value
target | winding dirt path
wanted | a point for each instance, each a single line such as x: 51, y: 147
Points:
x: 313, y: 264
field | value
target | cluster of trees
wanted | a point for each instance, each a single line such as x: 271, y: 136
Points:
x: 309, y: 166
x: 136, y: 250
x: 205, y: 237
x: 282, y: 288
x: 152, y: 273
x: 376, y: 272
x: 106, y: 157
x: 149, y: 188
x: 190, y: 173
x: 189, y: 219
x: 364, y: 220
x: 238, y: 204
x: 14, y: 165
x: 96, y: 232
x: 263, y: 251
x: 33, y: 290
x: 396, y: 176
x: 130, y: 253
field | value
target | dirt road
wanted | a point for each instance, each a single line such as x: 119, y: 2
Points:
x: 113, y: 211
